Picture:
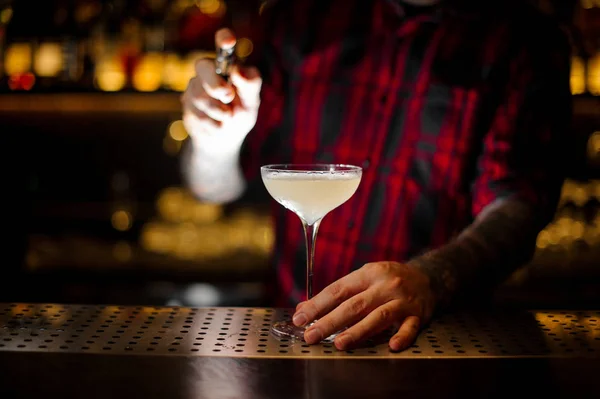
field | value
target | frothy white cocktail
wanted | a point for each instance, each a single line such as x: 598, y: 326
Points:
x: 311, y: 194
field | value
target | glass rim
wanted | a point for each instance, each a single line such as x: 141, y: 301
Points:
x: 311, y: 167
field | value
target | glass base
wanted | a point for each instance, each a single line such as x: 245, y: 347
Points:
x: 288, y: 330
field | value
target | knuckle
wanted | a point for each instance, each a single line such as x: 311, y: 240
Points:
x: 338, y: 291
x: 396, y: 282
x: 357, y: 305
x: 215, y: 91
x: 369, y: 266
x: 385, y: 267
x: 200, y: 98
x: 369, y: 269
x: 329, y: 326
x: 199, y: 116
x: 376, y: 267
x: 384, y: 315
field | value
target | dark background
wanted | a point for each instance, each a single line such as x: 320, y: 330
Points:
x: 95, y: 209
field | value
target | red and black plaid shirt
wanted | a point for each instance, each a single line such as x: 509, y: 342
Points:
x: 446, y: 112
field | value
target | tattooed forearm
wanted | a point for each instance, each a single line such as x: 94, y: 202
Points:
x: 213, y: 178
x: 500, y: 240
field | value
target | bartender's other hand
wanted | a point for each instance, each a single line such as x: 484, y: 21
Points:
x: 213, y: 107
x: 368, y: 301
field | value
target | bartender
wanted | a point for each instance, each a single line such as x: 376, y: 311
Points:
x: 456, y: 110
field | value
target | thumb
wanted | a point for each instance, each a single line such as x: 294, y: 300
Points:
x: 247, y: 81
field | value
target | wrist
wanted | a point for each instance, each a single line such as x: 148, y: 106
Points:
x: 214, y: 172
x: 216, y: 147
x: 442, y: 280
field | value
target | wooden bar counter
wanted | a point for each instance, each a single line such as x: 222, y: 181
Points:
x: 88, y: 351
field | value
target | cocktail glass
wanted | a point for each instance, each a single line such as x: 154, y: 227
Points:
x: 311, y: 191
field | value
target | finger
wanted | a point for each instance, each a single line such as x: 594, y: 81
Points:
x: 299, y: 305
x: 214, y: 85
x: 197, y: 122
x: 407, y: 334
x: 375, y: 322
x: 190, y: 109
x: 331, y: 297
x: 248, y: 83
x: 348, y: 313
x: 224, y: 38
x: 211, y: 107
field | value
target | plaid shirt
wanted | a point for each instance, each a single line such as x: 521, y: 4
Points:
x: 445, y: 111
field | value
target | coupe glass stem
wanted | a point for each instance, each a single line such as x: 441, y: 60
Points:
x: 310, y: 233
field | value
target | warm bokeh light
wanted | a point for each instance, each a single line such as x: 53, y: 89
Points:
x: 214, y: 8
x: 157, y: 237
x: 588, y: 4
x: 580, y: 195
x: 593, y: 75
x: 6, y: 15
x: 190, y: 229
x: 208, y: 6
x: 85, y: 11
x: 572, y: 225
x: 170, y: 146
x: 542, y: 239
x: 177, y: 205
x: 172, y: 71
x: 110, y: 74
x: 23, y: 81
x: 177, y: 71
x: 121, y: 220
x: 170, y: 202
x: 577, y: 76
x: 18, y: 58
x: 263, y: 7
x: 200, y: 241
x: 177, y: 131
x: 147, y: 76
x: 593, y: 147
x: 48, y: 60
x: 244, y: 47
x: 122, y: 251
x: 176, y: 134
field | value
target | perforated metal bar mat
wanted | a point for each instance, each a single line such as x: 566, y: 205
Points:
x: 244, y: 332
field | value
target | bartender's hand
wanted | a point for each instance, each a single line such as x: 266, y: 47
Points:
x: 214, y: 108
x: 368, y: 301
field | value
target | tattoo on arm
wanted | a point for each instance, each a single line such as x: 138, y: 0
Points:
x: 501, y: 239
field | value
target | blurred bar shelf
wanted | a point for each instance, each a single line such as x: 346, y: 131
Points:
x: 583, y: 105
x: 91, y: 102
x: 229, y: 352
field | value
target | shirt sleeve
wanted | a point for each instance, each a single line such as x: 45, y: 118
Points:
x: 526, y: 139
